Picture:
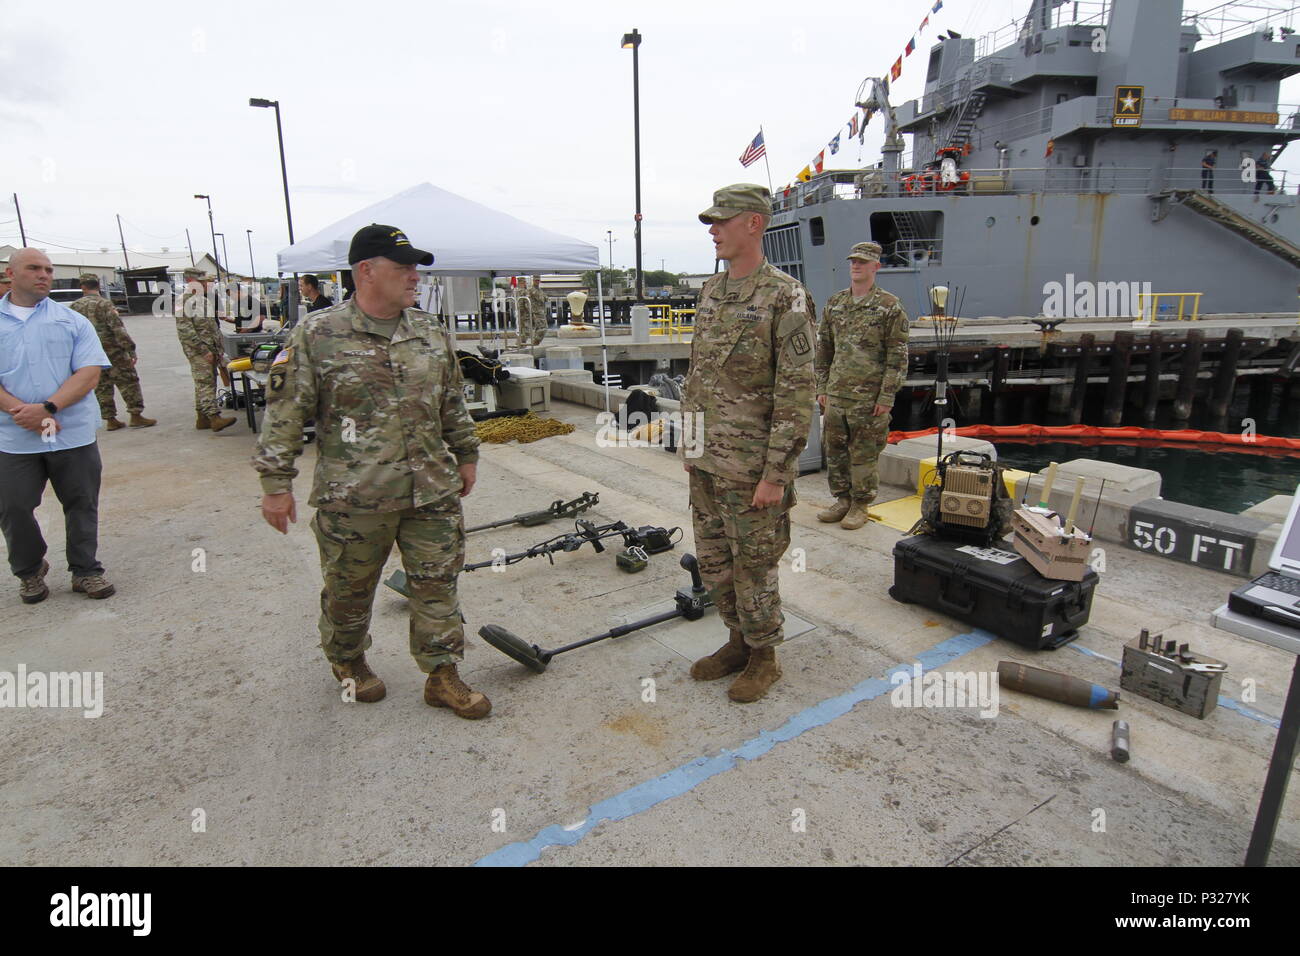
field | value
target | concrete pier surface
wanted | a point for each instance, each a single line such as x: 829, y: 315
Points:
x: 224, y: 739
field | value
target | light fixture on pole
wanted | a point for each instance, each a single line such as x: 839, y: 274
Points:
x: 213, y: 229
x: 291, y: 318
x: 632, y: 41
x: 284, y: 172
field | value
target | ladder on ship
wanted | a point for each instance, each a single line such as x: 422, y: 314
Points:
x: 1244, y: 226
x: 907, y: 225
x: 964, y: 126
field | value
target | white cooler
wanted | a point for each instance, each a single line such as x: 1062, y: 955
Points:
x: 526, y: 388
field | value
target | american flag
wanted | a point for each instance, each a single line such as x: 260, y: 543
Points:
x: 754, y: 151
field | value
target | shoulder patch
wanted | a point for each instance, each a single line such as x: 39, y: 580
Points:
x: 796, y: 341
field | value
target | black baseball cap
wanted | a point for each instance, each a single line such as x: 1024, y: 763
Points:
x: 389, y: 242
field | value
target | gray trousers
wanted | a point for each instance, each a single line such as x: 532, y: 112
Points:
x: 74, y: 474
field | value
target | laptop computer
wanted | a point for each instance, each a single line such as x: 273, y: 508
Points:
x: 1275, y: 596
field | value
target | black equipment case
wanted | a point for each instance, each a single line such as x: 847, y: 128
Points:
x: 994, y: 589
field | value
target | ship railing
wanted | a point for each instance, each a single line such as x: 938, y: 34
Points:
x: 911, y: 253
x: 929, y: 184
x: 1079, y: 14
x: 1235, y: 19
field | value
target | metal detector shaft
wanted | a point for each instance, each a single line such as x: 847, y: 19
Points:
x: 619, y: 631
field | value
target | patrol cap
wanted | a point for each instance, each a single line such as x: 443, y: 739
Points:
x: 88, y: 278
x: 730, y: 201
x: 193, y: 273
x: 389, y: 242
x: 865, y: 252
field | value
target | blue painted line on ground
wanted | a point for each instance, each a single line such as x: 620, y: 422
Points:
x: 1228, y: 703
x: 686, y: 777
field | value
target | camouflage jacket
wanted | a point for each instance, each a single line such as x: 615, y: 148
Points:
x: 118, y: 344
x: 751, y: 375
x: 862, y: 347
x: 390, y: 415
x: 532, y: 307
x: 196, y: 326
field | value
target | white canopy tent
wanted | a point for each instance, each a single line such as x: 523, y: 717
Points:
x: 466, y: 238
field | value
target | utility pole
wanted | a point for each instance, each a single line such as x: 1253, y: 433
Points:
x: 190, y: 244
x: 21, y: 231
x: 123, y: 239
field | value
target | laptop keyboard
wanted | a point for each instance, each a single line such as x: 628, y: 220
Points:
x: 1279, y: 582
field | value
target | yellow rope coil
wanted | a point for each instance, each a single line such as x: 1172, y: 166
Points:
x: 521, y: 428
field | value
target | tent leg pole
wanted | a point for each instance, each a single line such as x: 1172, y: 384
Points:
x: 604, y: 351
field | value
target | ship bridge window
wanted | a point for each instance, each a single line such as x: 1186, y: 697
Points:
x: 817, y: 231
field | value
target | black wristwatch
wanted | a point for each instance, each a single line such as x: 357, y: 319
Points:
x: 51, y: 407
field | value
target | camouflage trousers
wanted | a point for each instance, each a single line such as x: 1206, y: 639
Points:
x: 205, y: 389
x: 854, y: 439
x: 531, y: 330
x: 127, y: 382
x: 353, y: 549
x: 739, y: 548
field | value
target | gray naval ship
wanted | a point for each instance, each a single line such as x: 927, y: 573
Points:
x: 1067, y: 148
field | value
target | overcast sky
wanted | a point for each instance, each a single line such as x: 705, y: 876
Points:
x: 525, y: 107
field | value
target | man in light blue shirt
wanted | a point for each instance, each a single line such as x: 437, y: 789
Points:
x: 50, y: 362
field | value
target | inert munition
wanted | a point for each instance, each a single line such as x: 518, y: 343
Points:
x: 1119, y: 741
x: 1053, y: 686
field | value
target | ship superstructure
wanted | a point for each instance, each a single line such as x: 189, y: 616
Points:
x: 1068, y: 148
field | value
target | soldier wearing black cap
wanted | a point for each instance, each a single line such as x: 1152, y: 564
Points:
x: 396, y: 451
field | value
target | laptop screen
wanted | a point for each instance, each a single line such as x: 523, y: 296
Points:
x: 1286, y: 554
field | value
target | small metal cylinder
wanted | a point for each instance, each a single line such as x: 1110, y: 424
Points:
x: 1119, y: 747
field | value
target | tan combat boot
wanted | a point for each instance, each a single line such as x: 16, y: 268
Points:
x: 201, y: 422
x: 444, y: 688
x: 33, y: 589
x: 139, y: 421
x: 93, y: 585
x: 759, y: 674
x: 112, y: 424
x: 216, y: 422
x: 836, y: 511
x: 369, y: 688
x: 727, y: 659
x: 856, y: 516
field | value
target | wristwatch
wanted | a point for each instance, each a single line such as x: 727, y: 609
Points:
x: 51, y: 407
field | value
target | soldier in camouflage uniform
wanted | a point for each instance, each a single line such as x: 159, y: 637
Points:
x: 396, y: 452
x: 196, y: 327
x: 533, y: 311
x: 751, y: 378
x: 861, y: 363
x: 120, y: 349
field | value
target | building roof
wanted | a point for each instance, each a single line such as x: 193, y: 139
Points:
x: 172, y: 260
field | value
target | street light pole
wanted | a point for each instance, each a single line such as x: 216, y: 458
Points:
x: 284, y: 172
x: 213, y: 229
x: 224, y: 252
x: 633, y: 41
x: 252, y: 269
x: 291, y: 316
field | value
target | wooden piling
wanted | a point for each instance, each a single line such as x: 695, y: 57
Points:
x: 1226, y: 379
x: 1120, y: 357
x: 1187, y: 375
x: 1081, y: 369
x: 1151, y: 390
